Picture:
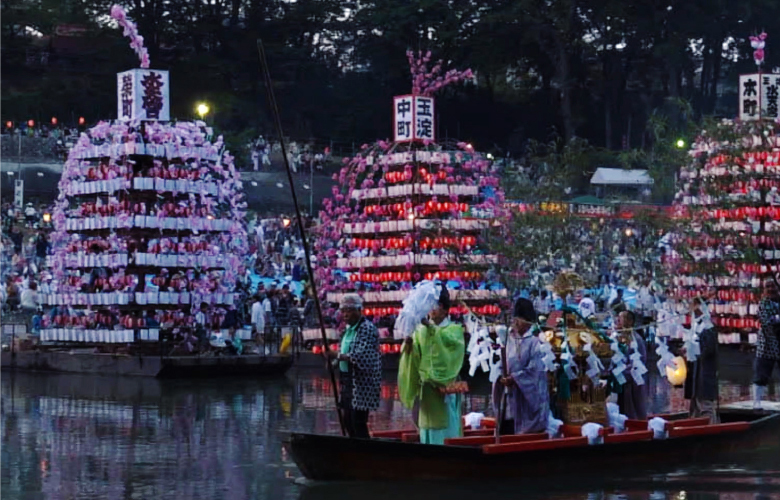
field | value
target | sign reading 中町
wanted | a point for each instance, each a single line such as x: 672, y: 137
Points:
x: 413, y: 118
x: 403, y: 118
x: 143, y: 94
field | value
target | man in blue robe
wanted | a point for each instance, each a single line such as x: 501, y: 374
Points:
x: 525, y: 383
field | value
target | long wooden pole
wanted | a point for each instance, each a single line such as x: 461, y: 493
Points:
x: 277, y: 119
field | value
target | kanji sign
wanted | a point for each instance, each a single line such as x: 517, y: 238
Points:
x: 770, y: 84
x: 423, y: 114
x: 749, y: 97
x: 403, y: 118
x: 19, y: 194
x: 413, y: 118
x: 143, y: 94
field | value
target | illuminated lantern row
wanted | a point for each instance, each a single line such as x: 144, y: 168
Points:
x: 406, y: 242
x: 485, y: 310
x: 729, y: 236
x: 433, y: 245
x: 406, y: 208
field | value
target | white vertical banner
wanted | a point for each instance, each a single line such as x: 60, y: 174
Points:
x: 750, y: 97
x: 424, y: 128
x: 143, y: 94
x: 19, y: 193
x: 770, y: 85
x: 403, y: 118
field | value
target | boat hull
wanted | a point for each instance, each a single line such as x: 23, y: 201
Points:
x: 145, y: 366
x: 335, y: 458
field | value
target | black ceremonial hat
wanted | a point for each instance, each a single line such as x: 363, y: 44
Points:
x: 524, y: 309
x: 444, y: 297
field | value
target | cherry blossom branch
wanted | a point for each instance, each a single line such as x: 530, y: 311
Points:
x: 426, y: 83
x: 130, y: 31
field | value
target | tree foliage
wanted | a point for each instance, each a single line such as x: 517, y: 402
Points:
x: 566, y: 68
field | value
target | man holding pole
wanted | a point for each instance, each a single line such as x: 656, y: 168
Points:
x: 525, y: 380
x: 359, y: 366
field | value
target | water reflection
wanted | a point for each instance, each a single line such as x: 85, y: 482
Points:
x: 71, y: 436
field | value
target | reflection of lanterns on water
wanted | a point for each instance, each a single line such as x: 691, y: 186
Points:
x: 677, y: 374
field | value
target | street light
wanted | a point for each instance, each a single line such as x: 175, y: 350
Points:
x: 202, y: 109
x: 47, y: 217
x: 680, y: 143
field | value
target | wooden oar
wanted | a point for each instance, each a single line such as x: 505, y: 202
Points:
x: 277, y: 119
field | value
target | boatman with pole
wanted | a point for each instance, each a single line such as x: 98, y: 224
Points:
x: 528, y: 399
x: 430, y: 363
x: 359, y: 366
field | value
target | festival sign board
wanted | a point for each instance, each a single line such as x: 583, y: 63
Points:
x: 143, y: 94
x: 19, y: 193
x: 413, y: 118
x: 749, y: 97
x: 758, y: 96
x: 403, y: 118
x: 423, y: 117
x: 770, y: 84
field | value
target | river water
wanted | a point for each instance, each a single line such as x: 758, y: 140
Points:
x: 89, y: 437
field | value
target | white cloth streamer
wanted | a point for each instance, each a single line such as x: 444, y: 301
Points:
x: 420, y: 301
x: 665, y: 358
x: 553, y: 426
x: 616, y: 420
x: 638, y: 368
x: 658, y: 426
x: 474, y: 420
x: 591, y: 431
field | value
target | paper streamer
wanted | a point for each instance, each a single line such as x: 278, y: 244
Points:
x: 420, y: 301
x: 665, y: 358
x: 638, y: 368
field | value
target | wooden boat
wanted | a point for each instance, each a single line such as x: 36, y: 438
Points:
x: 398, y: 455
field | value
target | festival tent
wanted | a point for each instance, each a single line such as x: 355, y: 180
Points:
x: 621, y: 177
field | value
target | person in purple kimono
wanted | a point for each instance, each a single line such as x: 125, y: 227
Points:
x: 632, y: 400
x: 525, y: 383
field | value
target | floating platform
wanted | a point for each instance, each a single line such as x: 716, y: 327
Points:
x: 145, y: 365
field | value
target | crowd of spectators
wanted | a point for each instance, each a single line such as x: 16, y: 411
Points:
x: 303, y: 158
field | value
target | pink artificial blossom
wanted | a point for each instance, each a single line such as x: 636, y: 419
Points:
x: 130, y: 31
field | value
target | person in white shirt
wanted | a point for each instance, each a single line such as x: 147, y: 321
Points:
x: 267, y: 309
x: 587, y: 307
x: 256, y: 159
x: 258, y: 319
x: 29, y: 298
x: 260, y: 232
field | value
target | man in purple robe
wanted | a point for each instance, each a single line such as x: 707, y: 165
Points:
x: 525, y: 383
x: 633, y: 398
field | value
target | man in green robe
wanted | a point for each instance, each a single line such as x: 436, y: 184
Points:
x: 431, y: 360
